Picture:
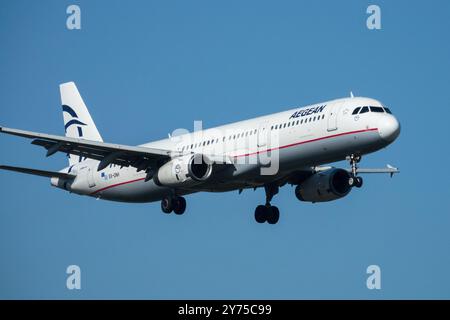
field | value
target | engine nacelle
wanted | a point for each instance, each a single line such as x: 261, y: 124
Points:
x: 187, y: 170
x: 324, y: 186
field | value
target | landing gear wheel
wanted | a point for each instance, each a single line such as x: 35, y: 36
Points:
x: 179, y: 205
x: 269, y: 214
x: 274, y: 215
x: 358, y: 182
x: 261, y: 214
x: 167, y: 204
x: 352, y: 181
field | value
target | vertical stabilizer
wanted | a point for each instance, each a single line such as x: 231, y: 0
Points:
x: 78, y: 122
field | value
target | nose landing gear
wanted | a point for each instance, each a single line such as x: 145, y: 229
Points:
x: 354, y: 180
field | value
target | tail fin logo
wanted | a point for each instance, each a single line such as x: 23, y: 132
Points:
x: 73, y: 121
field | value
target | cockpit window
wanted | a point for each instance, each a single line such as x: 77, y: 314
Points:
x: 356, y: 110
x: 387, y: 110
x: 364, y: 110
x: 376, y: 109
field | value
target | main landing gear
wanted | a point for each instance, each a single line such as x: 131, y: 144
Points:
x: 176, y: 204
x: 268, y: 213
x: 354, y: 180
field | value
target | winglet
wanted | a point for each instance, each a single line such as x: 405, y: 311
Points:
x: 393, y: 168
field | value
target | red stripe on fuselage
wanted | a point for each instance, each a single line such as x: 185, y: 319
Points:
x: 249, y: 154
x: 116, y: 185
x: 306, y: 141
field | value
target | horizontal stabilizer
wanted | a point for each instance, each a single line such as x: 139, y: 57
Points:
x: 42, y: 173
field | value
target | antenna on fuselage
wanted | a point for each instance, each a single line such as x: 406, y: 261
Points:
x: 351, y: 94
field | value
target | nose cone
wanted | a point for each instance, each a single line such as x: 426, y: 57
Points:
x: 389, y: 128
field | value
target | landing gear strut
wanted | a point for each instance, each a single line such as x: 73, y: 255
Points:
x: 268, y: 213
x: 354, y: 180
x: 176, y: 204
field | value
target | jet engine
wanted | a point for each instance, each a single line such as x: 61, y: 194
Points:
x: 187, y: 170
x: 324, y: 186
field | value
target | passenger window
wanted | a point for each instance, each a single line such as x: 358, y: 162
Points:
x: 356, y: 110
x: 323, y: 116
x: 297, y: 122
x: 364, y: 110
x: 377, y: 109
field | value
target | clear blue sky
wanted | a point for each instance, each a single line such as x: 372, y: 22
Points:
x: 146, y: 68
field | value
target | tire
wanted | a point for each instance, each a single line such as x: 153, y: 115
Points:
x: 261, y: 214
x: 274, y: 215
x: 179, y: 205
x: 359, y: 182
x: 167, y: 205
x: 298, y: 193
x: 351, y: 181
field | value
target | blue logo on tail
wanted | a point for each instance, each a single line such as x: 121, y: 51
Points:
x: 72, y: 112
x: 74, y: 121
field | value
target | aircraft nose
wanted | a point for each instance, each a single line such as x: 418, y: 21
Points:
x: 389, y: 128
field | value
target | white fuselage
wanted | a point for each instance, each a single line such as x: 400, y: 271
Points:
x: 280, y: 144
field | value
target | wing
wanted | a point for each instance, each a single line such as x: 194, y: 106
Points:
x: 107, y: 153
x: 42, y: 173
x: 388, y: 169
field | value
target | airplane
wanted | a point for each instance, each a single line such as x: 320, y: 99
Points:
x: 290, y: 147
